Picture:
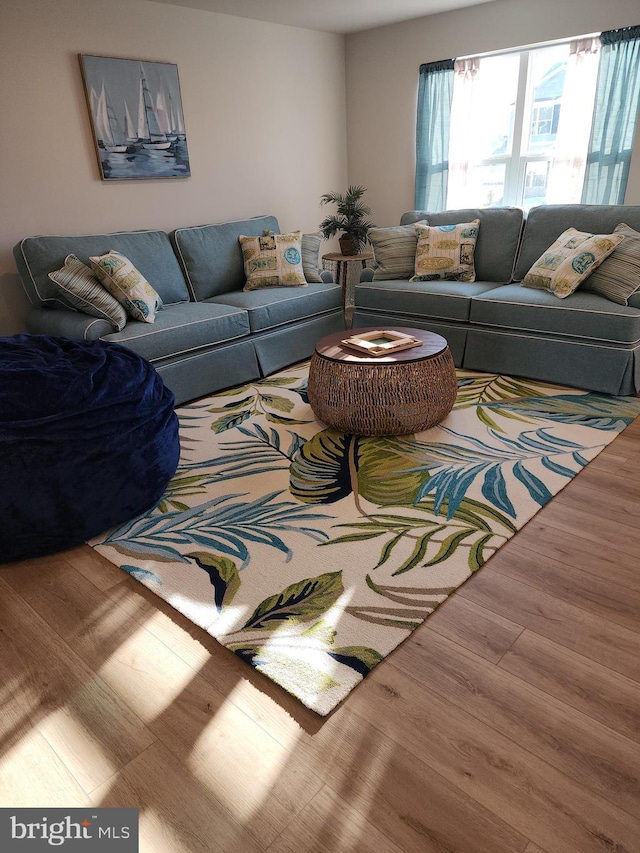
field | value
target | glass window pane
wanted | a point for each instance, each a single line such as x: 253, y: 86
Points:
x: 483, y: 186
x: 544, y: 97
x: 536, y: 177
x: 494, y: 106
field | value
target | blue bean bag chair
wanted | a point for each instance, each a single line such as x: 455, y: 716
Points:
x: 88, y: 440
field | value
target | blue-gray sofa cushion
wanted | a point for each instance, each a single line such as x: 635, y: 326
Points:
x: 274, y: 306
x: 546, y: 223
x: 148, y: 251
x: 211, y: 256
x: 183, y: 328
x: 498, y: 237
x: 582, y: 315
x: 445, y: 300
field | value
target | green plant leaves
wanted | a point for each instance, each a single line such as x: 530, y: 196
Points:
x: 361, y: 658
x: 235, y: 412
x: 333, y: 465
x: 321, y: 472
x: 223, y: 574
x: 300, y: 602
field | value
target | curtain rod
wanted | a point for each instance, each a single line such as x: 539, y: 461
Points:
x: 535, y: 46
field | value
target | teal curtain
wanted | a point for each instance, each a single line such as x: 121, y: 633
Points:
x: 614, y: 117
x: 435, y: 93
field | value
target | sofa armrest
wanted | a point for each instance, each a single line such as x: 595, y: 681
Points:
x: 367, y: 274
x: 67, y: 324
x: 326, y: 276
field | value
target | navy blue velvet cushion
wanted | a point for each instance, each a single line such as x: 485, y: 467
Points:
x: 88, y: 440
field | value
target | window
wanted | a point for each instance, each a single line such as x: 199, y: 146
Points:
x: 520, y: 125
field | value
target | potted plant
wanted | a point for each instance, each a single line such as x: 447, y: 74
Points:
x: 350, y: 219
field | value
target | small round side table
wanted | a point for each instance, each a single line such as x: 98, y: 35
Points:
x: 347, y: 281
x: 401, y: 393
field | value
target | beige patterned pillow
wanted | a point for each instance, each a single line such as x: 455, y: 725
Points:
x: 446, y: 251
x: 83, y: 291
x: 569, y: 261
x: 310, y: 256
x: 127, y: 285
x: 273, y: 260
x: 618, y: 277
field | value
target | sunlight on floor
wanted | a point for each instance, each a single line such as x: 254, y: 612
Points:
x: 251, y: 755
x: 146, y: 674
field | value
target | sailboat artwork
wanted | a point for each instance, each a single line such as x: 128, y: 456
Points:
x: 136, y: 116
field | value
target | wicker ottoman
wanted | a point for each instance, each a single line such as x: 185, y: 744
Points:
x: 407, y: 392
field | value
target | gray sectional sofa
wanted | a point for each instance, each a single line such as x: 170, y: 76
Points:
x: 495, y: 325
x: 210, y: 334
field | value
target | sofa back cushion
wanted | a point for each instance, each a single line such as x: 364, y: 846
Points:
x: 544, y: 225
x: 211, y: 256
x: 149, y: 251
x: 498, y: 237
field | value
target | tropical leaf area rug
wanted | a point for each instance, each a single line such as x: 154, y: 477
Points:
x: 312, y: 554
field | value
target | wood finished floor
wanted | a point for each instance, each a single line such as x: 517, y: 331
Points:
x: 508, y: 723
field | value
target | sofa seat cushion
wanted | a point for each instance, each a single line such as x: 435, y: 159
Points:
x: 149, y: 251
x: 276, y: 306
x: 181, y: 328
x: 211, y: 257
x: 446, y: 300
x: 582, y: 315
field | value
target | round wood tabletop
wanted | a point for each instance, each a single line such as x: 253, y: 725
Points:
x: 338, y: 257
x: 331, y: 346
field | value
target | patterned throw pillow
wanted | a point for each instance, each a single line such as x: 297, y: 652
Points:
x: 618, y: 276
x: 83, y: 291
x: 310, y: 256
x: 446, y: 251
x: 273, y: 260
x: 394, y: 250
x: 127, y: 285
x: 569, y: 261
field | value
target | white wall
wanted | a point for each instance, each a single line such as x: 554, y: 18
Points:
x: 382, y: 81
x: 264, y: 109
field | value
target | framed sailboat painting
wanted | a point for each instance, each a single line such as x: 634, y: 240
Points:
x: 136, y: 117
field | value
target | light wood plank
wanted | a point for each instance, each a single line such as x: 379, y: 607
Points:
x: 537, y: 800
x: 31, y: 772
x: 392, y: 781
x: 178, y: 814
x: 192, y: 718
x: 475, y: 628
x: 327, y: 823
x: 578, y: 682
x: 567, y: 583
x: 95, y: 568
x: 575, y: 744
x: 92, y: 730
x: 601, y: 560
x: 591, y: 636
x: 586, y: 524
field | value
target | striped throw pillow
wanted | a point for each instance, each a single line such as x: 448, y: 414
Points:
x: 618, y: 276
x: 310, y: 257
x: 82, y: 290
x: 394, y: 250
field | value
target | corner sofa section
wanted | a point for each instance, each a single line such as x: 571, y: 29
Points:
x: 210, y: 334
x: 497, y: 326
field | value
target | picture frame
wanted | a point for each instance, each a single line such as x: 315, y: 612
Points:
x: 381, y: 342
x: 135, y: 108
